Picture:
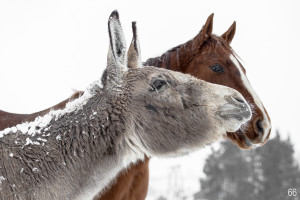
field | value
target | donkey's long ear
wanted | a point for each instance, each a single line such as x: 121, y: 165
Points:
x: 134, y: 53
x: 229, y: 34
x: 116, y: 58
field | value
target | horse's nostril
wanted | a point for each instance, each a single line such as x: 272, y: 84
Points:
x: 259, y: 127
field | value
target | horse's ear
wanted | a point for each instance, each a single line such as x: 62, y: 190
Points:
x: 206, y: 30
x: 203, y: 35
x: 134, y: 53
x: 229, y: 34
x: 116, y: 57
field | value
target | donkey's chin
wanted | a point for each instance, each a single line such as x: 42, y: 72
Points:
x: 234, y: 124
x: 232, y: 127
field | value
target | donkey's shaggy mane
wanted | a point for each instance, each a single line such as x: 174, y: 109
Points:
x: 34, y: 127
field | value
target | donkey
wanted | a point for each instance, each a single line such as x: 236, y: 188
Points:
x: 75, y: 152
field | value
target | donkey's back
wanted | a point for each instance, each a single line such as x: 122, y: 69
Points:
x: 8, y: 119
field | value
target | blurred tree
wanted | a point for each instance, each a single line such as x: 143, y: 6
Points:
x: 213, y: 180
x: 161, y: 198
x: 265, y: 173
x: 280, y: 170
x: 228, y: 175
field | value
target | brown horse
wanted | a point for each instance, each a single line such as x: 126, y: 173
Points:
x: 208, y: 57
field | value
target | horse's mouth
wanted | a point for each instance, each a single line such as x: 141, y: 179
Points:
x: 240, y: 139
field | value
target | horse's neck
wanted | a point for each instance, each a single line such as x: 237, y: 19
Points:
x: 80, y: 148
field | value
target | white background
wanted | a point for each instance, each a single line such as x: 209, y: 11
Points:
x: 50, y: 48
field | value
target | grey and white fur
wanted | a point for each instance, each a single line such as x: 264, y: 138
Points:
x: 76, y: 152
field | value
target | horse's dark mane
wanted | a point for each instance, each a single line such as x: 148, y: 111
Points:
x: 210, y: 44
x: 213, y: 41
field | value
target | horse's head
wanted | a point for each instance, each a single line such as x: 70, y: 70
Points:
x: 166, y: 112
x: 210, y: 58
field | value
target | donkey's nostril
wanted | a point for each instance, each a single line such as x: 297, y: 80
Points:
x: 239, y: 99
x: 259, y: 126
x: 235, y: 99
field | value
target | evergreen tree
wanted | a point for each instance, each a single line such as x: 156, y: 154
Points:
x: 213, y: 180
x: 228, y: 175
x: 280, y: 171
x: 161, y: 198
x: 266, y: 173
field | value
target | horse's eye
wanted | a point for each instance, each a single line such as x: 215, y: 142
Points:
x: 158, y: 85
x: 217, y: 68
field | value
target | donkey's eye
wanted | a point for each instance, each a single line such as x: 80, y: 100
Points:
x: 217, y: 68
x: 158, y: 85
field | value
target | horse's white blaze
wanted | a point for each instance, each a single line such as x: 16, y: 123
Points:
x: 265, y: 123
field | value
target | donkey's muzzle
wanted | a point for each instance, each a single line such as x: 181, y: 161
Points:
x: 236, y: 108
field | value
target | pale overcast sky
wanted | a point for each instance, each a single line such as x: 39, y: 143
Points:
x: 49, y: 48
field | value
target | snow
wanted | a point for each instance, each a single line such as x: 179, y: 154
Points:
x: 35, y: 169
x: 41, y: 139
x: 2, y: 179
x: 32, y: 128
x: 58, y: 137
x: 29, y: 141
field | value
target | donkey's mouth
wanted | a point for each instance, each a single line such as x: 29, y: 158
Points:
x: 229, y: 111
x: 234, y: 116
x: 237, y: 114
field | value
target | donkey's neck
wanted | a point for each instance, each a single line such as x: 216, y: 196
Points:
x: 75, y: 154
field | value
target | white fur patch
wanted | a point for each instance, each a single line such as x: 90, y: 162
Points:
x: 267, y: 124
